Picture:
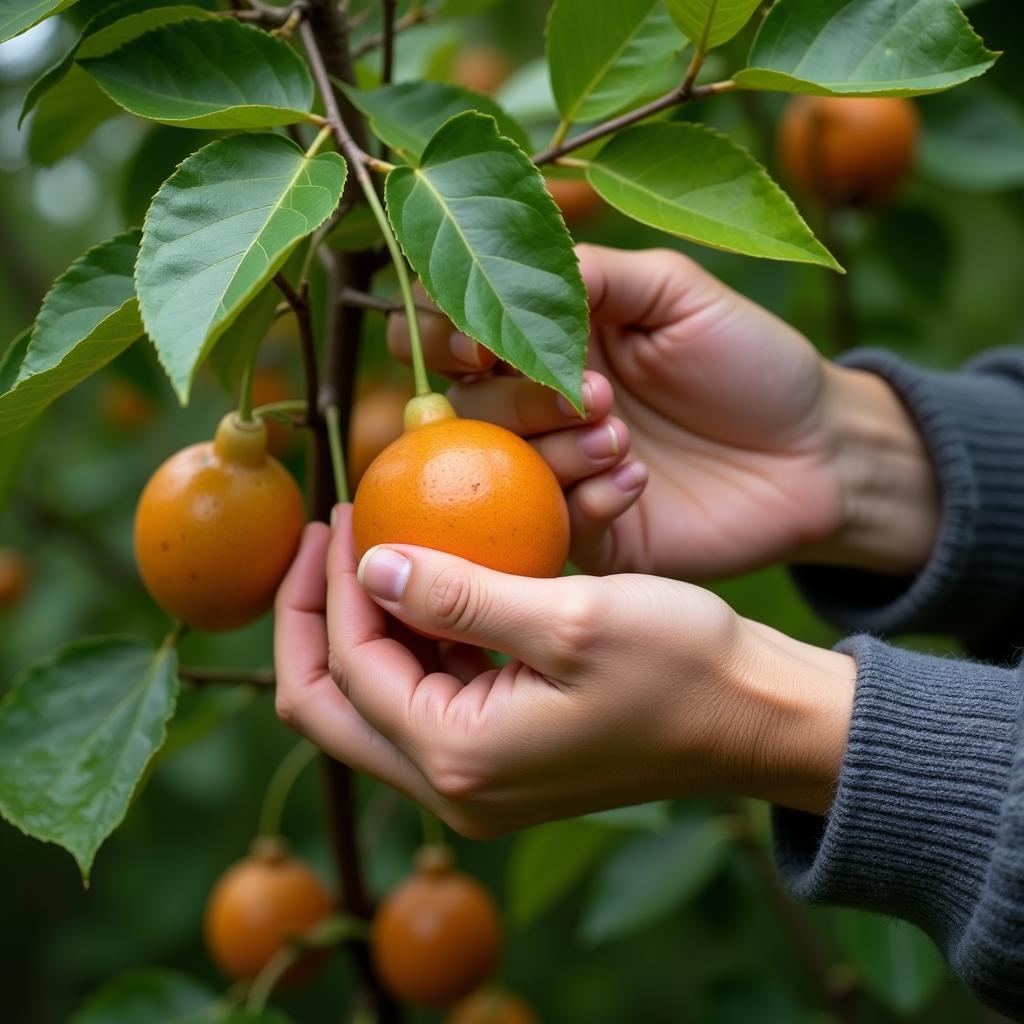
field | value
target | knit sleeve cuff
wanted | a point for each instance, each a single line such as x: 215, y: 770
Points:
x: 973, y: 425
x: 924, y: 786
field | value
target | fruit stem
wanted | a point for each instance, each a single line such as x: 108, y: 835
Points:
x: 322, y: 136
x: 333, y: 419
x: 280, y: 786
x: 419, y: 367
x: 245, y: 390
x: 289, y: 405
x: 432, y: 827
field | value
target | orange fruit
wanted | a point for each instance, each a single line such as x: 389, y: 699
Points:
x: 438, y: 935
x: 14, y: 576
x: 272, y: 384
x: 481, y: 68
x: 848, y: 151
x: 259, y: 904
x: 469, y: 488
x: 376, y: 422
x: 124, y: 405
x: 492, y: 1006
x: 575, y: 197
x: 217, y: 527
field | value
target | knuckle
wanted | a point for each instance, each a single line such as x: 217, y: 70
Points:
x: 455, y: 783
x: 577, y: 628
x: 286, y: 712
x: 336, y: 669
x: 452, y: 601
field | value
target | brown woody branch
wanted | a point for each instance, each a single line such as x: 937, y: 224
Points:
x: 684, y: 93
x: 417, y: 16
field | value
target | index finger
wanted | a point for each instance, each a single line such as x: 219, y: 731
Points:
x: 382, y: 678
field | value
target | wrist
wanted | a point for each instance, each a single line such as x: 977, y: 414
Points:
x: 799, y: 703
x: 888, y: 499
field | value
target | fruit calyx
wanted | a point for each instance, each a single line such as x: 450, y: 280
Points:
x: 270, y: 849
x: 435, y: 860
x: 242, y: 441
x: 424, y: 409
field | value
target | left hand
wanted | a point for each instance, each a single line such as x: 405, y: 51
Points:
x: 619, y: 690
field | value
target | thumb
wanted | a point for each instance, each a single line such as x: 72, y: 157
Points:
x: 450, y: 598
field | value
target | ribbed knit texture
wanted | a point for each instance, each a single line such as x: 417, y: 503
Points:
x: 928, y: 819
x: 973, y: 586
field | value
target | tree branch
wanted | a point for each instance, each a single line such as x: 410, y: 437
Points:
x: 352, y: 297
x: 299, y: 303
x: 677, y: 97
x: 203, y: 676
x: 388, y: 41
x: 417, y: 16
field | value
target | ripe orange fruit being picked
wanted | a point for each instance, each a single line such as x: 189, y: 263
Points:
x: 217, y: 527
x: 492, y: 1006
x: 469, y: 488
x: 258, y: 904
x: 852, y: 151
x: 437, y: 937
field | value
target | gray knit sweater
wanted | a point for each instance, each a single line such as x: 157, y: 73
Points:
x: 928, y: 818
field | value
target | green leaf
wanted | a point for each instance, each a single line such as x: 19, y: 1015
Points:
x: 237, y: 346
x: 218, y: 230
x: 480, y: 228
x: 973, y: 140
x: 255, y: 1017
x: 104, y: 33
x: 207, y: 74
x: 88, y: 317
x: 355, y: 231
x: 864, y: 48
x: 67, y: 116
x: 898, y: 963
x: 18, y: 15
x: 16, y: 445
x: 405, y: 116
x: 602, y: 53
x: 695, y: 183
x: 146, y: 995
x: 546, y: 862
x: 651, y: 877
x: 727, y: 18
x: 77, y: 730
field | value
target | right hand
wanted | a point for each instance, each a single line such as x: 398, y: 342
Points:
x: 752, y: 446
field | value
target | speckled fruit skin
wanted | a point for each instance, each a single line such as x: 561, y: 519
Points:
x: 492, y: 1006
x: 471, y: 489
x: 849, y: 151
x: 214, y: 535
x: 257, y: 904
x: 437, y: 937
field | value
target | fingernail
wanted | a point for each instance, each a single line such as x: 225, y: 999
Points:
x: 630, y: 477
x: 587, y: 396
x: 600, y: 442
x: 384, y: 573
x: 464, y: 350
x: 334, y: 518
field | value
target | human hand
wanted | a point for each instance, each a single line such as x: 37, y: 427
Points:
x: 752, y: 447
x: 619, y: 690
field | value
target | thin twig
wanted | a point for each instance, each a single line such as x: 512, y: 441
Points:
x: 352, y: 297
x: 417, y: 16
x: 677, y: 97
x: 200, y: 675
x: 299, y: 303
x: 268, y: 14
x: 388, y: 41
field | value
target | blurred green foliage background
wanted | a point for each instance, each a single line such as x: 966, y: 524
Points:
x: 936, y: 277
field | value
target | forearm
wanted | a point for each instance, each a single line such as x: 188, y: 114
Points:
x: 888, y: 491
